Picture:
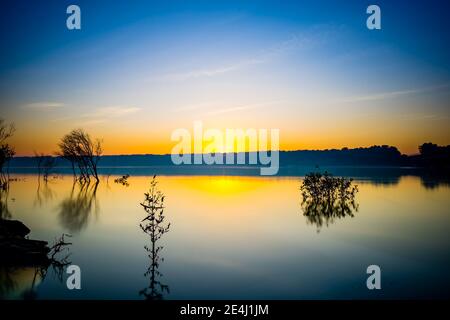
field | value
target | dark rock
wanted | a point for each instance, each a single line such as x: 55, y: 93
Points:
x: 13, y: 229
x: 16, y: 250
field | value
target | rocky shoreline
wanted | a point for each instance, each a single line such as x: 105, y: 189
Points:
x: 17, y: 249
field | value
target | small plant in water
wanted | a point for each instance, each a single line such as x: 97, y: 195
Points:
x: 154, y: 226
x: 327, y: 198
x: 123, y: 180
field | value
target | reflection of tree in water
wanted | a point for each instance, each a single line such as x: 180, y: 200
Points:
x: 434, y: 178
x: 20, y: 274
x: 74, y: 211
x: 327, y: 198
x: 154, y: 226
x: 20, y: 281
x: 4, y: 210
x: 24, y: 263
x: 58, y: 260
x: 43, y: 193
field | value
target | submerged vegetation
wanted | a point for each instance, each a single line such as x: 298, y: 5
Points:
x: 123, y: 180
x: 6, y: 151
x: 155, y: 227
x: 45, y: 165
x: 327, y: 198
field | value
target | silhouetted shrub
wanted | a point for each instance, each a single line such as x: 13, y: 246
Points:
x: 123, y: 180
x: 326, y: 198
x: 154, y: 226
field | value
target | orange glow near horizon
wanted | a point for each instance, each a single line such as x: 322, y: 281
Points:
x: 136, y: 136
x: 23, y: 148
x: 46, y: 141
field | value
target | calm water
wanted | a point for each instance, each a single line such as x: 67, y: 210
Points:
x: 236, y: 238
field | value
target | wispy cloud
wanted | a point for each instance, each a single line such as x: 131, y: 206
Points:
x: 394, y: 94
x: 43, y: 105
x: 296, y: 41
x: 101, y: 115
x: 111, y: 112
x: 209, y: 72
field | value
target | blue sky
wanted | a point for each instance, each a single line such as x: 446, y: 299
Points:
x: 310, y: 68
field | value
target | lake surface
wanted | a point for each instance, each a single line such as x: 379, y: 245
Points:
x: 235, y: 237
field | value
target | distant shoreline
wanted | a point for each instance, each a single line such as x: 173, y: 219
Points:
x: 376, y: 156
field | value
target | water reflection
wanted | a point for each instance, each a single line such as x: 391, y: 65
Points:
x: 75, y: 210
x: 24, y: 262
x: 44, y: 194
x: 155, y: 227
x: 4, y: 210
x: 327, y: 199
x: 20, y: 280
x: 433, y: 179
x: 207, y: 208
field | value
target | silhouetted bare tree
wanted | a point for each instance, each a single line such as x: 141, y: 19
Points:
x: 6, y: 151
x: 46, y: 165
x: 153, y: 225
x: 83, y: 153
x: 39, y: 160
x: 59, y: 255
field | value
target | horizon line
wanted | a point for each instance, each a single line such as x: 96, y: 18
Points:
x: 234, y: 152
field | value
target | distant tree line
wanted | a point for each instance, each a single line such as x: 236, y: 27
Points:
x: 371, y: 156
x: 432, y: 155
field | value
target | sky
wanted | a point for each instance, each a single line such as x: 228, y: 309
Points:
x: 137, y: 71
